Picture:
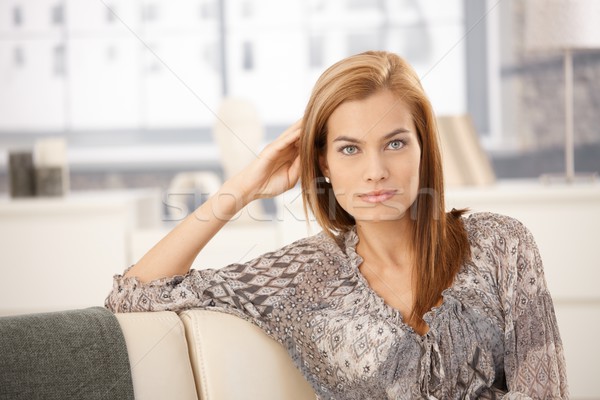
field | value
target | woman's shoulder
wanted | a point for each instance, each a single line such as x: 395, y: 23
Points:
x: 486, y: 225
x: 500, y: 242
x: 500, y: 238
x: 319, y: 242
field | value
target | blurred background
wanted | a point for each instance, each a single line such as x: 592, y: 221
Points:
x: 118, y: 117
x: 134, y: 86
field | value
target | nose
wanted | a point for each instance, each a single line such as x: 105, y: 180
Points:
x: 375, y: 168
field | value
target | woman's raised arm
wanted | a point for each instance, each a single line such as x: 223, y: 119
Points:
x: 275, y: 170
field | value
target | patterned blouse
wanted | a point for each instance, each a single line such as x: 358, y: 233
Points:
x: 494, y: 335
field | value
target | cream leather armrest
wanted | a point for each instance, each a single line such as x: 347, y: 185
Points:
x: 158, y: 354
x: 234, y: 360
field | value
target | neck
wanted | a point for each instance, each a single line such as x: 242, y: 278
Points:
x: 387, y: 244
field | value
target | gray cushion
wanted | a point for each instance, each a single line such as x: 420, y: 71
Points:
x: 77, y: 354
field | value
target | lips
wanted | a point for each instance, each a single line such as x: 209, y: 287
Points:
x: 377, y: 196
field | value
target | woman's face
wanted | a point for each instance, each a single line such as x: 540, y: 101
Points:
x: 372, y: 157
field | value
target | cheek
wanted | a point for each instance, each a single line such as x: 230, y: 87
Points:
x: 412, y: 182
x: 416, y: 189
x: 416, y: 175
x: 416, y: 164
x: 334, y: 166
x: 344, y: 180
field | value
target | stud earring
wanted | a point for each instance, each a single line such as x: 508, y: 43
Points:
x: 327, y: 180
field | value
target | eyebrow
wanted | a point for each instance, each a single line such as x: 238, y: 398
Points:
x: 354, y: 140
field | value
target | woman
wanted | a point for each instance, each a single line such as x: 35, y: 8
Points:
x: 396, y: 298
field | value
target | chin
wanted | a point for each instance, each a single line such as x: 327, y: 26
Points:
x: 380, y: 212
x: 379, y: 217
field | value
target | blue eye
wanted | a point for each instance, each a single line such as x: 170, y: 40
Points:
x: 349, y: 150
x: 396, y: 144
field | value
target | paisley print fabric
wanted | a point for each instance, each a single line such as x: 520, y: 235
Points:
x: 494, y: 335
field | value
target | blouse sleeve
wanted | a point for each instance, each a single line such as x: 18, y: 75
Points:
x: 249, y: 290
x: 534, y: 363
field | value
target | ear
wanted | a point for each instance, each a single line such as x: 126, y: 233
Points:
x: 323, y: 164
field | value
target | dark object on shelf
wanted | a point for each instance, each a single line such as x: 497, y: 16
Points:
x: 21, y: 172
x: 49, y: 181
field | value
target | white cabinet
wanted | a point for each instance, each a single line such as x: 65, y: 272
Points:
x: 237, y: 242
x: 61, y: 253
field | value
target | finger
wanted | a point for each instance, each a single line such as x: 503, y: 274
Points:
x: 291, y: 133
x: 294, y: 171
x: 289, y: 137
x: 292, y: 130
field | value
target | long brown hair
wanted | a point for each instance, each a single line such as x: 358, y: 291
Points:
x: 439, y: 237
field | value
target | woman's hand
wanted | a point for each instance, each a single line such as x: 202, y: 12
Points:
x: 275, y: 170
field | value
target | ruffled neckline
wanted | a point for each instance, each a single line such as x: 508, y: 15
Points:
x: 350, y: 243
x: 431, y: 317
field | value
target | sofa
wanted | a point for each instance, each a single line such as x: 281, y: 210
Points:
x: 195, y: 354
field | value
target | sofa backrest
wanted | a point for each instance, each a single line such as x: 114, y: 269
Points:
x: 233, y: 359
x: 158, y: 356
